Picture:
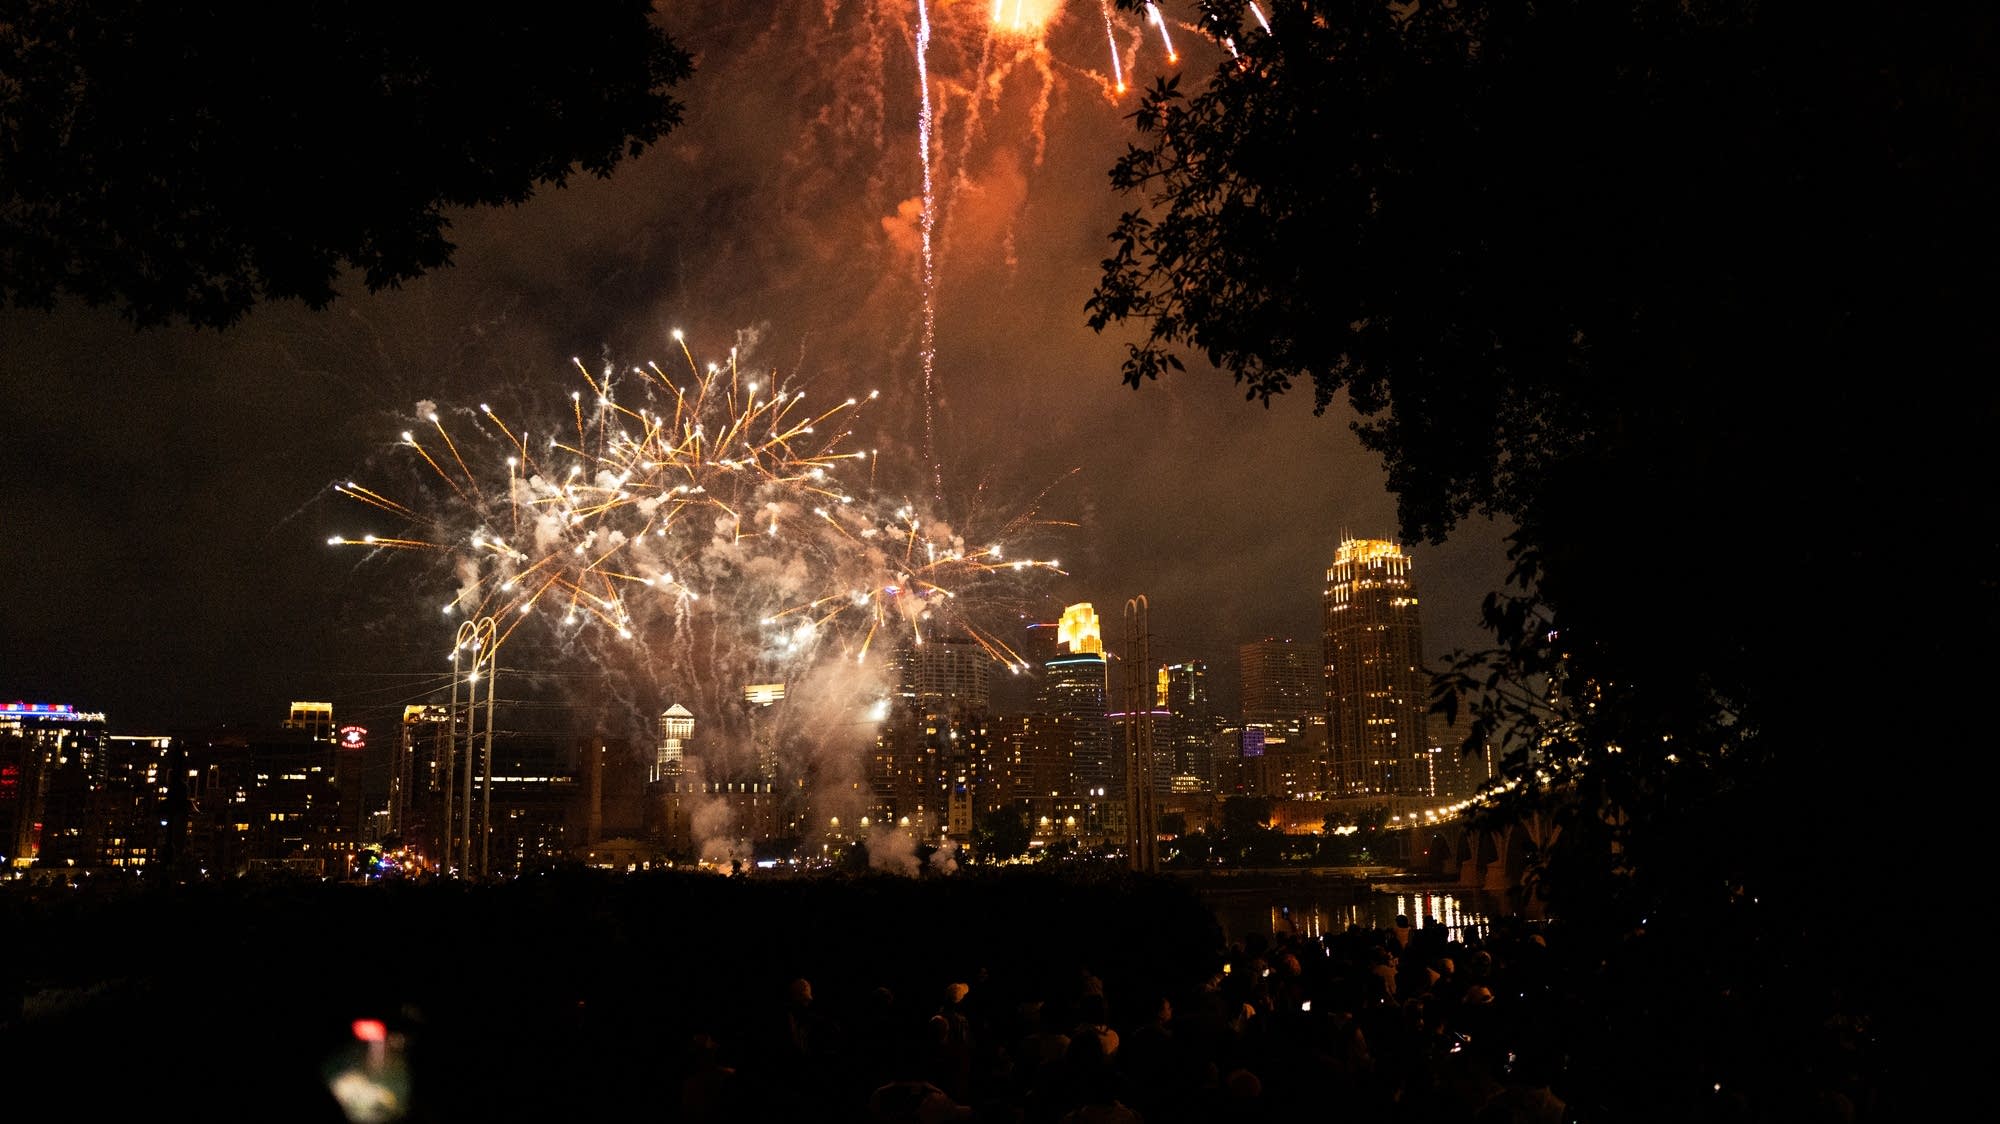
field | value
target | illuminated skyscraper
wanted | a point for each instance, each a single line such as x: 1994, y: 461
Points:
x: 416, y: 779
x: 760, y: 701
x: 1455, y: 772
x: 263, y: 799
x: 131, y: 806
x: 1074, y: 686
x: 1378, y: 693
x: 676, y: 730
x: 1284, y: 715
x: 315, y: 718
x: 1193, y: 726
x: 51, y: 759
x: 674, y: 783
x: 943, y: 674
x: 1283, y: 685
x: 1079, y: 631
x: 934, y: 759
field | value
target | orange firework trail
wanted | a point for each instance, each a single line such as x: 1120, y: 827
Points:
x: 928, y: 349
x: 983, y: 55
x: 1154, y: 17
x: 1111, y: 36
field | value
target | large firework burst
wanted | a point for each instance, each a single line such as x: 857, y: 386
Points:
x: 659, y: 498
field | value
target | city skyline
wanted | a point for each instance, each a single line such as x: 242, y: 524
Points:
x: 1088, y: 749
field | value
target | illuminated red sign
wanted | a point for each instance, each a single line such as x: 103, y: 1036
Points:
x: 353, y: 737
x: 40, y: 710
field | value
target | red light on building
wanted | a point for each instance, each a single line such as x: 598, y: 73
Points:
x: 353, y: 737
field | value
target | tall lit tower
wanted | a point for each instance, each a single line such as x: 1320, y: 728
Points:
x: 676, y: 730
x: 942, y: 673
x: 1079, y: 632
x: 1283, y: 686
x: 1378, y: 693
x: 759, y: 702
x: 1074, y: 686
x: 1184, y: 686
x: 933, y: 762
x: 413, y: 776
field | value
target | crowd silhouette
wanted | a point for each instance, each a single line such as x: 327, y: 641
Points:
x: 1018, y: 999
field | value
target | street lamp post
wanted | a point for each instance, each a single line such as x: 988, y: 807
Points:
x: 1142, y: 829
x: 481, y: 638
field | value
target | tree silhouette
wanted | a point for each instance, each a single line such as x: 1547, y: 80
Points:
x: 187, y: 162
x: 1689, y: 296
x: 1001, y: 833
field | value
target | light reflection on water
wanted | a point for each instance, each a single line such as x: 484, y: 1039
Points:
x: 1315, y: 911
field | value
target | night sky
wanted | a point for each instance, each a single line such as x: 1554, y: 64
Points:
x: 169, y: 493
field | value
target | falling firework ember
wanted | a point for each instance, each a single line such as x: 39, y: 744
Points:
x: 982, y: 54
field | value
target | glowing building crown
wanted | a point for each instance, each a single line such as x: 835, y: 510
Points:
x: 1079, y: 631
x: 1364, y: 551
x: 677, y: 722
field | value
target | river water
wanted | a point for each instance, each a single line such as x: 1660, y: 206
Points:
x: 1314, y: 906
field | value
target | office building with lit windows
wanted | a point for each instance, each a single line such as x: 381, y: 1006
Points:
x: 51, y: 764
x: 941, y: 673
x: 262, y: 800
x: 935, y: 762
x: 1075, y: 685
x: 1378, y: 691
x: 676, y: 733
x: 1192, y: 727
x: 1283, y: 685
x: 1455, y: 770
x: 1283, y: 719
x: 131, y: 805
x: 315, y: 718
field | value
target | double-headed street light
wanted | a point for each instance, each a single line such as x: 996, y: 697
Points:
x: 474, y: 661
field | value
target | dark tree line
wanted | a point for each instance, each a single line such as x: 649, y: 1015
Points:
x: 186, y: 162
